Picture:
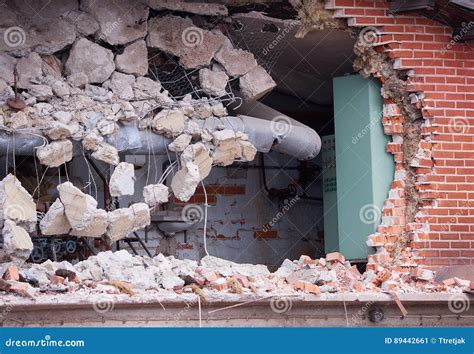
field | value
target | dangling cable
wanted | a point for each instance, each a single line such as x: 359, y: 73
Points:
x: 205, y: 218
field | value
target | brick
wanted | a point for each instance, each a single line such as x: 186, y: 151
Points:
x: 56, y: 279
x: 449, y: 282
x: 306, y: 287
x: 219, y: 284
x: 11, y: 273
x: 242, y: 279
x: 335, y: 257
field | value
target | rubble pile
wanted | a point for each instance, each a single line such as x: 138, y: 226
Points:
x: 109, y: 272
x: 60, y: 79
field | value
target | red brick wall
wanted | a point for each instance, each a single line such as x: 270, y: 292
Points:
x: 441, y: 73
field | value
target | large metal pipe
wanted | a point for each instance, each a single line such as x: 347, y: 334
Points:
x: 295, y: 140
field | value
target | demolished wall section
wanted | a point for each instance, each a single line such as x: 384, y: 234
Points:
x: 429, y: 205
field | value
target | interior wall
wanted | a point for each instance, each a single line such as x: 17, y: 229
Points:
x: 239, y: 212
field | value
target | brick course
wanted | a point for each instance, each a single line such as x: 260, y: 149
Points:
x: 442, y: 74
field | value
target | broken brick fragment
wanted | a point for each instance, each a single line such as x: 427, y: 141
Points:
x: 449, y: 282
x: 306, y: 287
x: 55, y: 279
x: 11, y: 273
x: 219, y: 284
x: 242, y: 279
x: 335, y: 257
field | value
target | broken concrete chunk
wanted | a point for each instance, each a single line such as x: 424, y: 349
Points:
x: 16, y: 241
x: 227, y: 147
x: 84, y: 22
x: 54, y: 221
x: 122, y: 181
x: 16, y: 120
x: 198, y: 8
x: 145, y: 87
x: 29, y: 69
x: 89, y: 58
x: 134, y: 59
x: 58, y: 131
x: 198, y: 154
x: 170, y: 123
x: 7, y: 65
x: 97, y: 227
x: 178, y: 36
x: 180, y: 143
x: 78, y: 80
x: 256, y: 83
x: 141, y: 216
x: 236, y: 62
x: 213, y: 83
x: 120, y: 21
x: 185, y: 181
x: 106, y: 153
x: 120, y: 223
x: 79, y: 207
x: 155, y: 194
x: 107, y: 127
x: 55, y: 153
x: 60, y: 88
x: 248, y: 150
x: 16, y: 203
x: 121, y: 85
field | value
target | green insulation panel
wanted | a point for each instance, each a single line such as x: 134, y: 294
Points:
x: 364, y: 170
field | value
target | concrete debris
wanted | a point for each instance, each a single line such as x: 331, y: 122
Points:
x: 110, y: 272
x: 185, y: 181
x: 17, y: 243
x: 256, y: 83
x: 236, y: 62
x: 123, y: 221
x: 90, y: 59
x: 106, y: 153
x: 195, y: 47
x: 198, y: 154
x: 120, y: 21
x: 29, y: 70
x: 84, y: 22
x: 97, y: 227
x: 180, y: 143
x: 134, y: 59
x: 54, y: 221
x: 79, y: 207
x: 7, y: 65
x: 55, y: 153
x: 16, y: 203
x: 198, y: 8
x: 155, y: 194
x: 121, y: 85
x: 122, y: 181
x: 170, y: 123
x: 213, y: 83
x: 227, y: 147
